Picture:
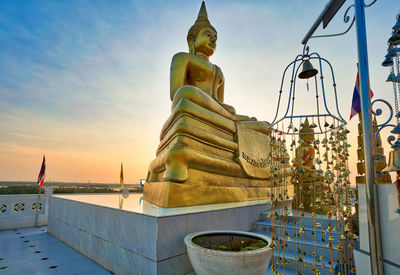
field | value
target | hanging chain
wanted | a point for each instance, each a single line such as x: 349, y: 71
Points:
x: 396, y: 102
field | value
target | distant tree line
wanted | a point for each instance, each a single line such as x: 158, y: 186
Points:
x: 32, y: 189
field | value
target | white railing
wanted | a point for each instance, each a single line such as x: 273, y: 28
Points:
x: 19, y: 211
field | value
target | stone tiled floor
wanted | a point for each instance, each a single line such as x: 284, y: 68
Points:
x: 34, y: 251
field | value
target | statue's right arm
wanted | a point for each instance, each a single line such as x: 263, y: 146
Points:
x: 178, y: 73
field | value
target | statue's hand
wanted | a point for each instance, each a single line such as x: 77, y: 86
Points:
x: 229, y: 108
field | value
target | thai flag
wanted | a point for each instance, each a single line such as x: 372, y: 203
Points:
x: 42, y: 173
x: 356, y: 103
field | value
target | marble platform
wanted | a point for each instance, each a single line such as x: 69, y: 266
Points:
x: 141, y: 238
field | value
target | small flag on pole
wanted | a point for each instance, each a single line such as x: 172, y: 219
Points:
x: 121, y: 177
x: 42, y: 173
x: 356, y: 102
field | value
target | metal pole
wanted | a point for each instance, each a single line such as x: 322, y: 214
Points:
x: 370, y: 186
x: 317, y: 22
x: 37, y: 209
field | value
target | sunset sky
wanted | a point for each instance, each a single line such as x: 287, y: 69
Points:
x: 86, y: 83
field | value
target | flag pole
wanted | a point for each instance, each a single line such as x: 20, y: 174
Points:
x: 121, y: 182
x: 37, y: 206
x: 40, y: 181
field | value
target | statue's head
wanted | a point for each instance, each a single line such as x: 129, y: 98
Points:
x: 306, y: 132
x: 202, y: 36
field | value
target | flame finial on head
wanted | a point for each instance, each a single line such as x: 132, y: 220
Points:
x: 306, y: 131
x: 200, y: 23
x: 306, y: 127
x: 203, y: 12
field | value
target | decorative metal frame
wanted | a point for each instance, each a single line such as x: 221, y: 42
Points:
x: 366, y: 112
x: 292, y: 91
x: 346, y: 19
x: 335, y: 177
x: 385, y: 124
x: 366, y: 106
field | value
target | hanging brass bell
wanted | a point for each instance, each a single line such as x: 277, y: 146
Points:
x: 397, y: 25
x: 396, y: 130
x: 394, y: 161
x: 392, y: 78
x: 392, y: 52
x: 394, y: 40
x: 387, y: 62
x: 308, y: 70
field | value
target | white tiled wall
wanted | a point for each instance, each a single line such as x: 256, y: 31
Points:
x: 127, y: 242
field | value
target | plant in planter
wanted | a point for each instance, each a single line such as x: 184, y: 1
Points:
x: 228, y: 252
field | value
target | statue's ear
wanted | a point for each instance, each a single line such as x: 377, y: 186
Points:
x: 190, y: 41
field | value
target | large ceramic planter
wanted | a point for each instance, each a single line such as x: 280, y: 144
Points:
x: 209, y: 261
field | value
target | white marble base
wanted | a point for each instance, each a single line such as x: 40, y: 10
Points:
x: 142, y: 242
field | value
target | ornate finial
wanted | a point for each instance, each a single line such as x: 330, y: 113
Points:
x: 201, y: 22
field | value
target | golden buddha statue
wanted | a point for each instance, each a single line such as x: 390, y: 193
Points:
x: 305, y: 153
x: 310, y: 184
x: 208, y: 153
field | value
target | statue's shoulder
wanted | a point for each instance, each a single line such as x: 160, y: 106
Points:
x: 219, y: 72
x: 181, y: 57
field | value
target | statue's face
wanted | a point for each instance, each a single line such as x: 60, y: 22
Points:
x: 206, y: 41
x: 307, y: 138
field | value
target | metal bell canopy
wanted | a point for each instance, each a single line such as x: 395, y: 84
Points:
x: 323, y: 120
